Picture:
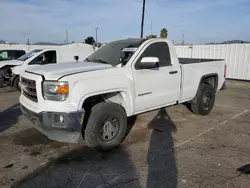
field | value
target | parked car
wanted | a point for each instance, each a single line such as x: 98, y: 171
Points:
x: 121, y: 79
x: 10, y: 54
x: 10, y: 70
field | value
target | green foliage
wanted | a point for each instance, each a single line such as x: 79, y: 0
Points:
x: 164, y: 33
x: 90, y: 40
x: 151, y: 36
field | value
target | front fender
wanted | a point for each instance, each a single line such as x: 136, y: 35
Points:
x: 11, y: 63
x: 84, y: 89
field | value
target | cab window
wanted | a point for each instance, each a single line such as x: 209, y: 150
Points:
x: 158, y: 49
x: 48, y: 57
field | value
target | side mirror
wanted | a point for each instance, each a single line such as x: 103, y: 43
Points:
x: 76, y: 58
x: 149, y: 62
x: 122, y: 56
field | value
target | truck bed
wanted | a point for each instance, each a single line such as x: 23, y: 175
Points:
x: 196, y: 60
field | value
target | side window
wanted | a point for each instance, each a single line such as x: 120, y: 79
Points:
x: 14, y: 54
x: 4, y: 55
x: 17, y: 54
x: 48, y: 57
x: 160, y: 50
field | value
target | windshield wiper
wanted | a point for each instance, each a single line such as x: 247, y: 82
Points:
x: 97, y: 60
x: 87, y: 59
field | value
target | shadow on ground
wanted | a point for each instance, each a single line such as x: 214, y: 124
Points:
x: 7, y: 90
x: 9, y: 117
x: 31, y: 137
x: 88, y: 168
x: 162, y: 170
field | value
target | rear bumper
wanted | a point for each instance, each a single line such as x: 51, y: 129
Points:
x: 59, y: 126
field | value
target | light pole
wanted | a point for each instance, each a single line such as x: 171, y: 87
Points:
x: 142, y: 19
x: 96, y: 30
x: 67, y: 37
x: 151, y: 28
x: 183, y: 39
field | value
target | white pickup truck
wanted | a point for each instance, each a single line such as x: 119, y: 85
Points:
x: 93, y: 98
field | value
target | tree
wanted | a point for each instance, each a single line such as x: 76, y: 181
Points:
x: 164, y: 33
x: 151, y: 36
x: 90, y: 40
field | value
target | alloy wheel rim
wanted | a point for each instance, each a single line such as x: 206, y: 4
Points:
x: 109, y: 129
x: 207, y: 99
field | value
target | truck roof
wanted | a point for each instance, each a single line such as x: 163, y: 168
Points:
x: 130, y: 40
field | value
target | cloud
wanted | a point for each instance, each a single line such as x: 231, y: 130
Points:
x: 47, y: 20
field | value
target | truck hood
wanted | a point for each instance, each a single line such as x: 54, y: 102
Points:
x: 56, y: 71
x: 11, y: 62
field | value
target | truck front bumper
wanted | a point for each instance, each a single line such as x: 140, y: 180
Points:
x: 62, y: 127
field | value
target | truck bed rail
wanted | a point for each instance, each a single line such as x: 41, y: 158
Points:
x: 196, y: 60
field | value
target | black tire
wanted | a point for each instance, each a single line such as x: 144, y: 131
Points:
x: 201, y: 104
x: 224, y: 86
x: 16, y: 84
x: 100, y: 114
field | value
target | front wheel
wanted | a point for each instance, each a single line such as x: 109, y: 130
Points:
x: 16, y: 84
x: 203, y: 103
x: 106, y: 126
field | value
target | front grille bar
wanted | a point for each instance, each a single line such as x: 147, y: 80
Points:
x: 29, y: 89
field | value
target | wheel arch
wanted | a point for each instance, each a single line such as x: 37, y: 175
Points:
x: 211, y: 79
x: 121, y: 97
x: 12, y: 80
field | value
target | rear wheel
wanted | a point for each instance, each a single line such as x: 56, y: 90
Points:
x: 204, y: 100
x: 106, y: 127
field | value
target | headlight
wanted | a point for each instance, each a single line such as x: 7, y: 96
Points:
x: 55, y: 91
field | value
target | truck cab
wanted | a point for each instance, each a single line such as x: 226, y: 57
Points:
x: 123, y: 78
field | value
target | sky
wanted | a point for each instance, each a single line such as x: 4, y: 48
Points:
x: 200, y: 21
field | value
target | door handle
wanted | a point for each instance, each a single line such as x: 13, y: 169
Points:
x: 173, y: 72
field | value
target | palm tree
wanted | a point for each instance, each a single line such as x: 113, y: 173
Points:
x: 164, y: 33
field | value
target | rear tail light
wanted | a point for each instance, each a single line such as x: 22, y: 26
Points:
x: 225, y: 71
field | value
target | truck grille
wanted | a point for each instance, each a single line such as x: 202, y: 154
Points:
x: 29, y: 89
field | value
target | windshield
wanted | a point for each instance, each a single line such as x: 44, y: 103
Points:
x: 28, y: 55
x: 110, y: 53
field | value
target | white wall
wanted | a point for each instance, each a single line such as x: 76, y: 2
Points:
x: 28, y: 48
x: 237, y: 57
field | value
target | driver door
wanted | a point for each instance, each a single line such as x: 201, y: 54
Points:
x: 160, y: 86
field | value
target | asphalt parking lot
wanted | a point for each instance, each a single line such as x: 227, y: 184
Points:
x: 166, y: 148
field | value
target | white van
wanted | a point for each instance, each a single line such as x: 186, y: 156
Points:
x: 10, y: 70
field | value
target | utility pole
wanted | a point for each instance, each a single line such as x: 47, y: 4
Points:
x: 151, y: 27
x: 28, y: 41
x: 67, y: 37
x: 142, y: 19
x: 183, y: 42
x: 96, y: 30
